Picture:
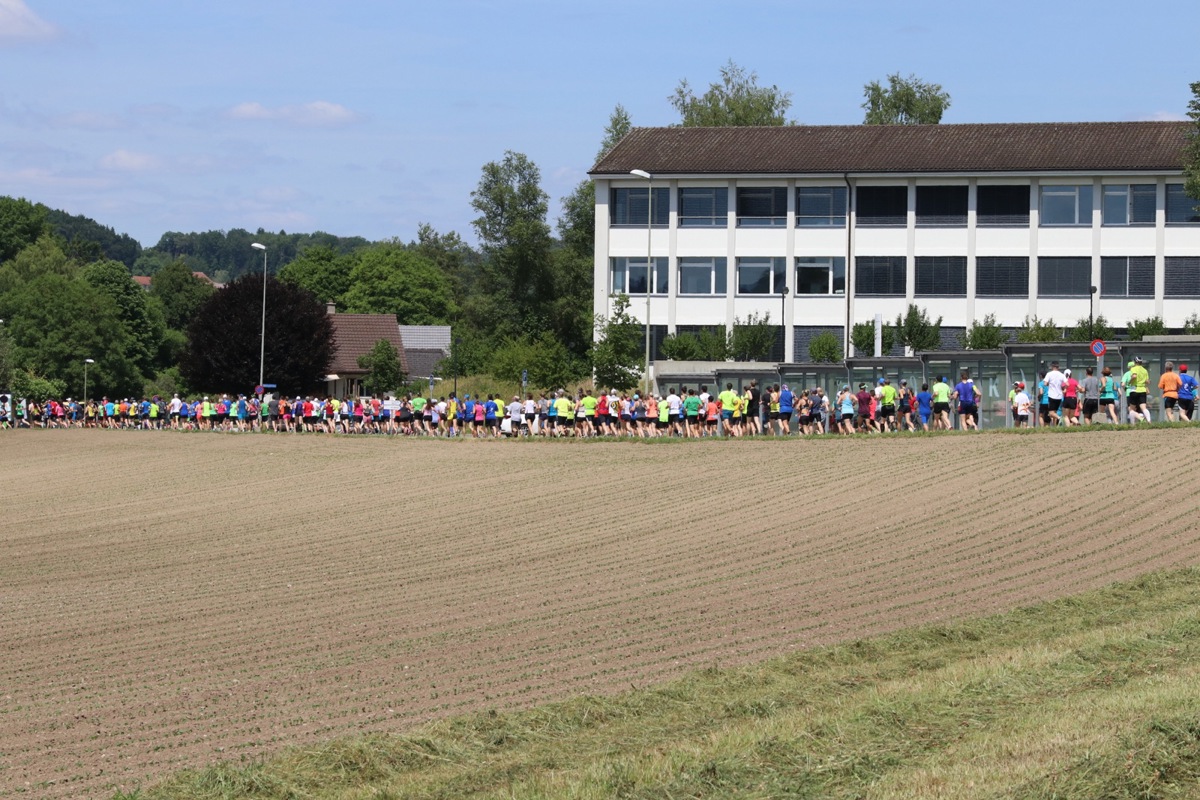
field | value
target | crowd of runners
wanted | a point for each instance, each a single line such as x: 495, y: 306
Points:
x: 1059, y: 398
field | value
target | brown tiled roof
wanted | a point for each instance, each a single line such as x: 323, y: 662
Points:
x: 1008, y: 147
x: 423, y: 361
x: 355, y: 334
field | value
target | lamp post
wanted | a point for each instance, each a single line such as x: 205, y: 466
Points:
x: 783, y: 293
x: 1091, y: 309
x: 262, y: 347
x: 454, y: 360
x: 86, y: 361
x: 641, y: 173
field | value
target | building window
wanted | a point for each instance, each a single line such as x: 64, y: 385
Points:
x: 1124, y: 276
x: 881, y: 205
x: 1064, y: 277
x: 821, y: 206
x: 762, y: 207
x: 1182, y: 276
x: 1067, y: 205
x: 629, y: 207
x: 760, y: 275
x: 1181, y: 209
x: 1002, y: 276
x: 880, y: 275
x: 1128, y: 204
x: 702, y: 276
x: 941, y: 276
x: 704, y: 208
x: 941, y: 205
x: 629, y: 275
x: 1002, y: 205
x: 821, y: 275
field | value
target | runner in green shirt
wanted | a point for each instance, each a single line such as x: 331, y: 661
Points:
x: 941, y: 404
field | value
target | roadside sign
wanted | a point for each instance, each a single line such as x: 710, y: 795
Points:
x: 258, y: 389
x: 1098, y: 348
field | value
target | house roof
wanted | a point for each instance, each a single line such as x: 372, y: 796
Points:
x: 423, y: 361
x: 1002, y: 147
x: 355, y: 334
x: 427, y: 337
x: 142, y: 281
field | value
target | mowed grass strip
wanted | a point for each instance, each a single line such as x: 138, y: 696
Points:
x: 1096, y: 695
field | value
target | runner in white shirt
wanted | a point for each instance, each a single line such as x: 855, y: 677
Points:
x: 1054, y: 391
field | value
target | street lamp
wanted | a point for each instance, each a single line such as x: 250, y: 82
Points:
x: 783, y: 293
x: 454, y: 360
x: 641, y: 173
x: 262, y: 347
x: 86, y: 361
x: 1091, y: 307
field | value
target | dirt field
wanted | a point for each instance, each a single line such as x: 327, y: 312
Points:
x: 171, y: 599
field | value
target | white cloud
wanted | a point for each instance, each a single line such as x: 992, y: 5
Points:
x: 19, y: 24
x: 1166, y: 116
x: 130, y: 161
x: 317, y: 114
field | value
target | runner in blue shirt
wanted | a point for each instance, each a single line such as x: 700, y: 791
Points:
x: 1187, y: 393
x: 925, y: 406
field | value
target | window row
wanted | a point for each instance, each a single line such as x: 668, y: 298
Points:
x: 882, y: 206
x: 934, y: 276
x: 1008, y: 276
x: 708, y: 276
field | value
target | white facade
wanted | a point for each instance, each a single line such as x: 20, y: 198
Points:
x: 1047, y: 247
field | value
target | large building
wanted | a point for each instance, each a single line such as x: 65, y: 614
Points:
x: 830, y: 225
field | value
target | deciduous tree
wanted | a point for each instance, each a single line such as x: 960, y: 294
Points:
x: 618, y: 353
x: 389, y: 278
x: 915, y: 330
x: 516, y: 243
x: 223, y: 339
x: 382, y: 364
x: 180, y: 292
x: 736, y: 100
x: 1191, y: 158
x: 983, y: 335
x: 321, y: 271
x: 21, y: 224
x: 904, y: 101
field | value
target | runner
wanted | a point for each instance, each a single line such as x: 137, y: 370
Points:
x: 1169, y: 383
x: 1187, y: 394
x: 941, y: 404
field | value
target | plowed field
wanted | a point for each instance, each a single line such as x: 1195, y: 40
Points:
x: 167, y: 600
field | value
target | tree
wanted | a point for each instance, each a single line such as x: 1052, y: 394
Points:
x: 985, y: 335
x: 737, y: 100
x: 862, y: 336
x: 180, y: 292
x: 56, y: 321
x: 825, y: 348
x: 543, y: 357
x: 389, y: 278
x: 91, y: 240
x: 1035, y: 330
x: 516, y: 243
x: 1191, y: 153
x: 1099, y: 329
x: 618, y: 352
x: 618, y: 125
x: 224, y: 339
x: 752, y: 338
x: 382, y: 364
x: 709, y: 344
x: 1191, y: 325
x: 21, y: 224
x: 321, y: 271
x: 142, y: 319
x: 904, y: 101
x: 6, y: 358
x: 43, y: 257
x: 1138, y: 329
x: 914, y: 330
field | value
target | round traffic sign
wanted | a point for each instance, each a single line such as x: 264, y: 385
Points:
x: 1098, y: 348
x: 258, y: 389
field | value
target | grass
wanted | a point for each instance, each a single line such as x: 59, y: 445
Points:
x: 1094, y: 696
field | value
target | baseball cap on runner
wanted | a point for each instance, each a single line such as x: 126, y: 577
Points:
x: 1130, y: 364
x: 1183, y: 367
x: 1138, y: 360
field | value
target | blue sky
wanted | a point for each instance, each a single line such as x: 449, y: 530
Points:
x: 366, y: 118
